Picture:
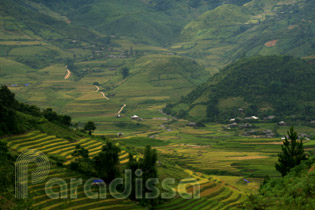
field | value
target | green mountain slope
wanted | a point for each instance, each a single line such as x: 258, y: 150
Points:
x: 157, y: 22
x: 36, y: 36
x: 223, y: 22
x: 36, y: 21
x: 260, y: 85
x: 229, y: 32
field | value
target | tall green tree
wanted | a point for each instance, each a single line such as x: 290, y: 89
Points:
x: 6, y: 168
x: 82, y: 163
x: 106, y: 163
x: 133, y: 165
x: 66, y: 120
x: 8, y: 98
x: 90, y: 126
x: 149, y: 172
x: 292, y: 153
x: 125, y: 72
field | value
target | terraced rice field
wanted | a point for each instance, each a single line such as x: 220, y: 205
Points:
x: 51, y: 145
x: 214, y: 195
x: 42, y: 201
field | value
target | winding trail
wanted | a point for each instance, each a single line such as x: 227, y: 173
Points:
x: 97, y: 90
x: 104, y: 95
x: 68, y: 73
x: 122, y: 108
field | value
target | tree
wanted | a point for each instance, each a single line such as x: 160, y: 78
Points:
x: 89, y: 126
x: 70, y: 64
x: 125, y: 72
x: 80, y: 152
x: 106, y: 163
x: 66, y: 120
x: 133, y: 165
x: 292, y: 153
x: 6, y: 168
x: 82, y: 163
x: 149, y: 172
x: 50, y: 115
x: 7, y: 98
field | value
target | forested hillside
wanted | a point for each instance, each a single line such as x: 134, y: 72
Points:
x: 294, y: 191
x: 270, y: 85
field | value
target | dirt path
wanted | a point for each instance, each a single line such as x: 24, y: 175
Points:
x: 68, y: 73
x: 98, y: 89
x: 104, y: 95
x: 122, y: 108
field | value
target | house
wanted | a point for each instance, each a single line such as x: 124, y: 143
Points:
x: 268, y: 133
x: 233, y: 125
x: 232, y: 120
x: 246, y: 125
x: 135, y: 117
x: 118, y: 116
x: 304, y: 136
x: 282, y: 123
x: 192, y: 124
x: 313, y: 122
x: 238, y: 119
x: 119, y: 135
x: 254, y: 118
x: 271, y: 117
x: 250, y: 133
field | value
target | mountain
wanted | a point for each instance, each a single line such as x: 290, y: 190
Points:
x: 229, y: 32
x: 263, y: 85
x: 100, y: 38
x: 223, y: 22
x: 39, y: 40
x: 157, y: 22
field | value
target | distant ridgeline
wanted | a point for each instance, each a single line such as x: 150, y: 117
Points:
x: 269, y: 85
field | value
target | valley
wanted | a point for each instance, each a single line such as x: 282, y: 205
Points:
x: 185, y: 77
